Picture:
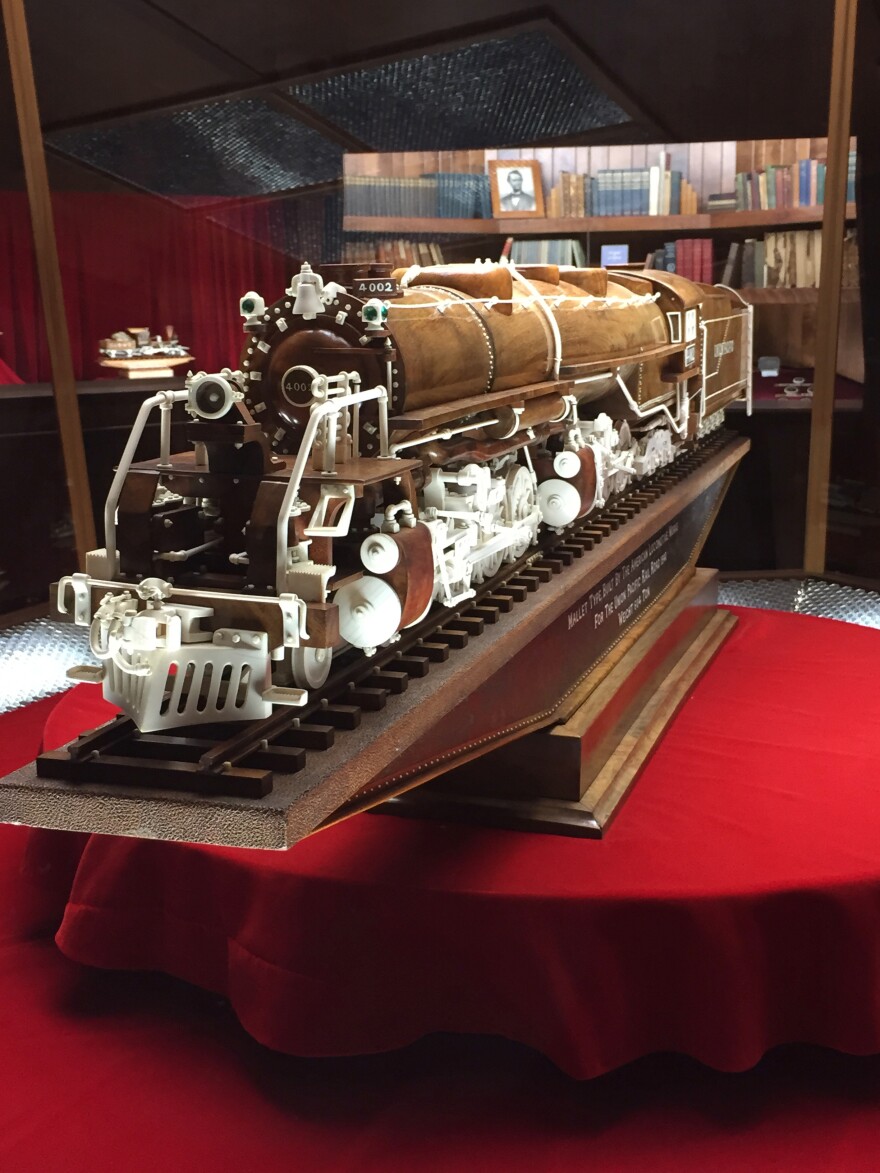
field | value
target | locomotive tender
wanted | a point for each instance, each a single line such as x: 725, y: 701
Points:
x: 389, y: 441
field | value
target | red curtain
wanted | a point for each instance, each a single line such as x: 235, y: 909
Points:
x: 132, y: 260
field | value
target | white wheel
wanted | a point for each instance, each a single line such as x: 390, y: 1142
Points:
x: 520, y: 500
x: 487, y: 567
x: 311, y: 666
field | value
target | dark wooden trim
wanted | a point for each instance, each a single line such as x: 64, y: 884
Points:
x: 249, y: 81
x: 308, y: 117
x: 24, y: 615
x: 570, y: 43
x: 270, y: 197
x: 52, y: 293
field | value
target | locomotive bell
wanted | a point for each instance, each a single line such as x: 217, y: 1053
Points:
x: 307, y: 302
x: 308, y: 287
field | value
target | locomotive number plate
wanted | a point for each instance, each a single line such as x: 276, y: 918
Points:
x: 375, y: 287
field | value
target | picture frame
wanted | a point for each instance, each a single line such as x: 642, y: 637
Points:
x: 517, y: 189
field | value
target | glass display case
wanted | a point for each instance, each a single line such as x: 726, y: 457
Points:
x: 170, y: 206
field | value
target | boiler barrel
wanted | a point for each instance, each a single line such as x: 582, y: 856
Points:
x: 468, y: 350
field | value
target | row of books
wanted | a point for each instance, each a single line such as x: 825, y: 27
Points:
x: 787, y: 260
x: 643, y: 191
x: 784, y: 260
x: 796, y: 185
x: 546, y: 252
x: 779, y: 260
x: 634, y: 191
x: 572, y: 197
x: 446, y: 195
x: 691, y: 257
x: 400, y: 253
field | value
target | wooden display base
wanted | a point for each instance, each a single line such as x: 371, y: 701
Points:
x: 618, y: 601
x: 145, y: 368
x: 572, y: 777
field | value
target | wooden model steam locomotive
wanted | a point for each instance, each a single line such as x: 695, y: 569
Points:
x: 388, y: 442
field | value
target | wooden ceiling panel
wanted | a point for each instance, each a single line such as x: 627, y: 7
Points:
x: 285, y: 38
x: 109, y: 54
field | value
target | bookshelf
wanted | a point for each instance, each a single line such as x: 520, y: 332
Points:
x: 392, y: 195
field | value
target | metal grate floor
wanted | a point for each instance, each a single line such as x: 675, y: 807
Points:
x: 806, y: 596
x: 35, y: 656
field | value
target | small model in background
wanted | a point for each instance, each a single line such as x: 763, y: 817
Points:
x: 798, y: 388
x: 136, y: 354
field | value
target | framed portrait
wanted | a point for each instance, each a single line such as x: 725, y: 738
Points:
x: 516, y: 187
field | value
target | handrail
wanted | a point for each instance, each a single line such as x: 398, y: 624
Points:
x: 319, y: 411
x: 164, y: 399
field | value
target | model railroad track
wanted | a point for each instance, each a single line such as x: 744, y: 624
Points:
x: 241, y: 759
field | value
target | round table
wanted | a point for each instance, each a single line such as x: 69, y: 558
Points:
x: 733, y: 906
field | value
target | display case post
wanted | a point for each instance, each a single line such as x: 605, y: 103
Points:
x: 46, y: 253
x: 828, y: 308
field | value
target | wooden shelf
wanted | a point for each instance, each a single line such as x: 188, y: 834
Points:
x: 403, y: 225
x: 778, y: 296
x: 773, y: 217
x: 702, y: 222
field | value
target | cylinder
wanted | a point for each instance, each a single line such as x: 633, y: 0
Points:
x: 380, y: 553
x: 369, y: 611
x: 412, y: 575
x: 566, y: 486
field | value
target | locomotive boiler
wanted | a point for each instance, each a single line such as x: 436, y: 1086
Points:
x: 388, y: 442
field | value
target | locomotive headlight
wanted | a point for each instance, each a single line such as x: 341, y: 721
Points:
x: 210, y: 396
x: 374, y: 314
x: 252, y: 307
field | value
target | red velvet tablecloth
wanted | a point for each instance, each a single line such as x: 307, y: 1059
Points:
x: 734, y: 905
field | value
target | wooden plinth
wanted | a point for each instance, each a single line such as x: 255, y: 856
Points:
x: 571, y: 777
x: 145, y: 368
